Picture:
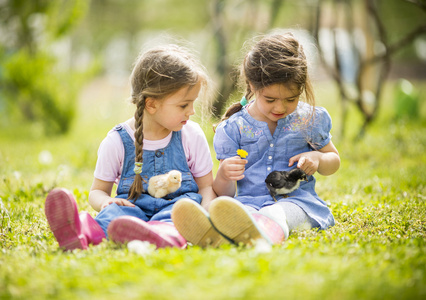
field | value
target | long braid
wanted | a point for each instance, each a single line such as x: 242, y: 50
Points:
x: 137, y: 187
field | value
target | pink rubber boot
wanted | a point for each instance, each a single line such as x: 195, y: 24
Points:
x: 91, y: 229
x: 270, y: 228
x: 71, y: 230
x: 127, y: 228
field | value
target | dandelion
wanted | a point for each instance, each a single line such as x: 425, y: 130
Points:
x: 242, y: 153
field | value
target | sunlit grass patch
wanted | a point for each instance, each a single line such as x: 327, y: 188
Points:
x: 376, y: 250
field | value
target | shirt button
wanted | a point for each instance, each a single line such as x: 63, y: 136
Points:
x: 158, y: 153
x: 270, y: 157
x: 271, y: 145
x: 268, y: 168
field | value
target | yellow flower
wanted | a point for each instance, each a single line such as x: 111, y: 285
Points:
x: 242, y: 153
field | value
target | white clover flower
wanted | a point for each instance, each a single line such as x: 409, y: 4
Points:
x: 142, y: 248
x: 262, y: 246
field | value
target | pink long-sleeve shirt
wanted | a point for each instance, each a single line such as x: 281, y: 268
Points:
x: 111, y: 152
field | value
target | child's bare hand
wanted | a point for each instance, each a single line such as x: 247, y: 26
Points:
x: 232, y: 169
x: 119, y: 202
x: 308, y: 162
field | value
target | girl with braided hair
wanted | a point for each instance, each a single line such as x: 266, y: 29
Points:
x: 165, y: 83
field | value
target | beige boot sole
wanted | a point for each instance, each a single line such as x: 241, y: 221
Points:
x: 234, y: 221
x: 192, y: 222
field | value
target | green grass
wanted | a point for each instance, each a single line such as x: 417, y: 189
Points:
x: 376, y: 250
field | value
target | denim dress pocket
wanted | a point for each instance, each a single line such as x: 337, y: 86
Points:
x: 296, y: 144
x: 126, y: 182
x: 124, y: 185
x: 253, y: 154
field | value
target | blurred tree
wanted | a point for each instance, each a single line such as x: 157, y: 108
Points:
x: 218, y: 29
x: 33, y: 84
x: 115, y: 30
x: 364, y: 39
x: 357, y: 41
x: 136, y: 22
x: 233, y: 23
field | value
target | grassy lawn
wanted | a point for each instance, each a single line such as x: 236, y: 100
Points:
x: 376, y: 250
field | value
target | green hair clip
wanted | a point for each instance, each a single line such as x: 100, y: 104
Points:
x: 243, y: 101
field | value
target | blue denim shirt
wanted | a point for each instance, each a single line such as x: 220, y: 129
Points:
x: 298, y: 132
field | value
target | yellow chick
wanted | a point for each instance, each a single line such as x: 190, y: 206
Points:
x: 161, y: 185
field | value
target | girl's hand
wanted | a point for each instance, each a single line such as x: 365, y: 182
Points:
x: 307, y: 161
x: 118, y: 201
x: 325, y: 161
x: 232, y: 169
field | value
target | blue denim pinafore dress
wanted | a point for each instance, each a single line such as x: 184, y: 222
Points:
x: 155, y: 162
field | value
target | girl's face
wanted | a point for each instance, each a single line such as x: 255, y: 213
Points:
x: 172, y: 112
x: 274, y: 102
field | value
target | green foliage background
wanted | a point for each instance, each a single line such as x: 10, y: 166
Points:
x: 50, y: 49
